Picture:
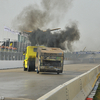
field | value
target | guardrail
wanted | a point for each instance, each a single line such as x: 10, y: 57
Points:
x: 11, y: 55
x: 12, y: 52
x: 75, y: 89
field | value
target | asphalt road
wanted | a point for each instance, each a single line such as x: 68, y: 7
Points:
x: 16, y: 83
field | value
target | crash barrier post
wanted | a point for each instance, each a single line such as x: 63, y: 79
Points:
x: 75, y: 89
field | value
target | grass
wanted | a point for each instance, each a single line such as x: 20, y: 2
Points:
x: 97, y: 96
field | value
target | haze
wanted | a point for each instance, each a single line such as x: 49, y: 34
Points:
x: 85, y: 13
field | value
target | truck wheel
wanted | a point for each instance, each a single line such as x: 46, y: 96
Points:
x: 33, y: 66
x: 37, y: 71
x: 28, y: 67
x: 57, y: 72
x: 25, y: 69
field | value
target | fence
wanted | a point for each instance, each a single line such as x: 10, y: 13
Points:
x: 11, y: 56
x: 9, y: 53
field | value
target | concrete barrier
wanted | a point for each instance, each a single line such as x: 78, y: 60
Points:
x: 6, y: 64
x: 75, y: 89
x: 15, y: 99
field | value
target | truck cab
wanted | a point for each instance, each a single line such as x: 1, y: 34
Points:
x: 30, y: 55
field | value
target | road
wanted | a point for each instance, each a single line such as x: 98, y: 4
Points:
x: 16, y: 83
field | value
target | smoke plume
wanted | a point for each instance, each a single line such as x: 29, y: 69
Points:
x: 34, y: 18
x: 70, y: 34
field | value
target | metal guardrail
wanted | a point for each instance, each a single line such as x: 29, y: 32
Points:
x: 11, y: 55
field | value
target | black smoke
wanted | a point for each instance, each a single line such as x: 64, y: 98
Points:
x: 51, y: 12
x: 33, y: 16
x: 69, y: 35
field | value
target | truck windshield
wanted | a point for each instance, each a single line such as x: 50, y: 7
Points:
x: 35, y: 49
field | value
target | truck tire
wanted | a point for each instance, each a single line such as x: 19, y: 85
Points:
x: 37, y: 71
x: 33, y: 65
x: 58, y: 72
x: 28, y: 67
x: 25, y: 69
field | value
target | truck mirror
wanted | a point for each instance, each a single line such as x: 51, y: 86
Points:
x: 23, y: 52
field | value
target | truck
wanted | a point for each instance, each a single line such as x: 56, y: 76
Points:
x: 49, y: 60
x: 30, y: 56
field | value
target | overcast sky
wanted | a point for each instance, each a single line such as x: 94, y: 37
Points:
x: 85, y: 12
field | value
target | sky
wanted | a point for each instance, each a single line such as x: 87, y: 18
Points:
x: 85, y: 12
